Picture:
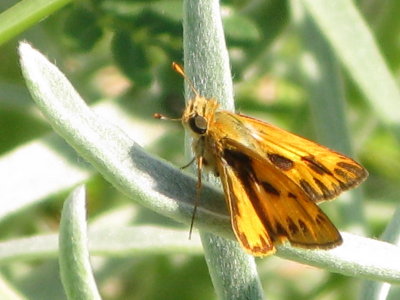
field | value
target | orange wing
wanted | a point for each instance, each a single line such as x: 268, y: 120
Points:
x: 320, y: 172
x: 268, y: 208
x: 273, y: 178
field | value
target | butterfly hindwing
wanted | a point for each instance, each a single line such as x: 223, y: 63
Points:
x: 249, y: 229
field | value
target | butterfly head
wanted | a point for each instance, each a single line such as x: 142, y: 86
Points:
x: 198, y: 115
x: 199, y: 112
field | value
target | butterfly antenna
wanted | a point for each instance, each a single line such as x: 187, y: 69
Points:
x: 179, y: 69
x: 162, y: 117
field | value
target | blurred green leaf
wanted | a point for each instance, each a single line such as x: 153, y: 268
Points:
x: 240, y: 30
x: 131, y: 57
x: 345, y: 29
x: 82, y: 29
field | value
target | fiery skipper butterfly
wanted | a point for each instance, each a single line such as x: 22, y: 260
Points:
x: 272, y: 179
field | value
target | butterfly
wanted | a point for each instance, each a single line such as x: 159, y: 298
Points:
x: 272, y: 179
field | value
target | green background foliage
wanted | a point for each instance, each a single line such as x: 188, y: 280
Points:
x: 291, y: 66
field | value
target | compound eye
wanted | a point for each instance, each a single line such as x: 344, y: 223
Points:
x: 198, y: 124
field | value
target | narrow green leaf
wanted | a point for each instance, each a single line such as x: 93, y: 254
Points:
x: 232, y: 271
x: 372, y: 290
x: 357, y: 256
x: 75, y: 269
x: 24, y: 14
x: 354, y: 44
x: 118, y: 241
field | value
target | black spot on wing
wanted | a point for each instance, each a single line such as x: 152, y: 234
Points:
x: 349, y: 175
x: 359, y: 172
x: 241, y: 165
x: 263, y: 246
x: 316, y: 166
x: 320, y: 219
x: 242, y: 237
x: 269, y: 188
x: 280, y: 231
x: 310, y: 191
x: 356, y: 170
x: 342, y: 174
x: 292, y: 226
x: 280, y: 161
x: 236, y: 159
x: 303, y: 226
x: 327, y: 193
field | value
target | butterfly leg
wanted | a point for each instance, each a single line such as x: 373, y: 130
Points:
x: 188, y: 164
x: 198, y: 190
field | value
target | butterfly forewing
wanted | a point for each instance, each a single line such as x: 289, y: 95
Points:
x: 321, y: 172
